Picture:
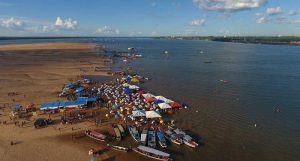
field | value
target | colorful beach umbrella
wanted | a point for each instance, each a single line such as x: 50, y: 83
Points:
x: 164, y: 106
x: 163, y: 99
x: 152, y: 114
x: 175, y: 105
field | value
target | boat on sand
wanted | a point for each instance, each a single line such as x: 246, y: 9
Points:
x: 95, y: 135
x: 151, y: 139
x: 161, y: 139
x: 152, y: 153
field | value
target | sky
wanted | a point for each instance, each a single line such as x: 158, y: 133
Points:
x: 149, y: 18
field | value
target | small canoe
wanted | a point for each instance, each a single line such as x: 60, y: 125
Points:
x: 95, y: 135
x: 152, y: 153
x: 144, y: 136
x: 120, y: 148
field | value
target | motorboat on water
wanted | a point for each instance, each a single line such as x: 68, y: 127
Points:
x: 187, y: 140
x: 144, y: 136
x: 161, y: 139
x: 151, y: 139
x: 173, y: 137
x: 152, y: 153
x: 134, y: 133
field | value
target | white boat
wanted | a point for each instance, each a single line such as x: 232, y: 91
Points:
x: 187, y: 140
x: 173, y: 137
x: 134, y: 133
x: 151, y: 139
x: 144, y: 136
x: 161, y: 139
x: 152, y: 153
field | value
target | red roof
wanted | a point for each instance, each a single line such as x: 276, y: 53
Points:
x: 175, y: 105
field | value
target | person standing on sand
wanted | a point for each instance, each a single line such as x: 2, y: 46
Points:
x: 92, y: 153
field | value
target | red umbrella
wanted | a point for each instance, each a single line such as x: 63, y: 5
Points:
x: 175, y: 105
x: 140, y: 92
x: 150, y: 99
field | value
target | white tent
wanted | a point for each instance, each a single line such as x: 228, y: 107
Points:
x: 152, y: 114
x: 125, y: 84
x: 134, y: 87
x: 164, y: 106
x: 138, y: 113
x: 147, y: 95
x: 163, y: 99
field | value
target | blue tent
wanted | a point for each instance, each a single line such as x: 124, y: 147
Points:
x: 127, y: 91
x: 158, y: 101
x: 79, y: 89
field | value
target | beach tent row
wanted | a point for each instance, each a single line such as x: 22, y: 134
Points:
x: 80, y: 102
x: 147, y: 114
x: 161, y: 101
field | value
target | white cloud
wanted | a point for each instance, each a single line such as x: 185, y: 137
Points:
x: 262, y: 20
x: 274, y: 11
x: 229, y: 5
x: 107, y: 30
x: 199, y: 22
x: 292, y: 13
x: 154, y: 33
x: 67, y: 24
x: 13, y: 23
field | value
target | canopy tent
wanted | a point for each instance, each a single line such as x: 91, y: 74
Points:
x: 158, y: 101
x: 127, y: 91
x: 150, y: 99
x: 135, y: 80
x: 146, y: 95
x: 138, y: 113
x: 125, y: 84
x: 164, y: 106
x: 163, y: 99
x: 152, y: 114
x: 175, y: 105
x: 134, y: 87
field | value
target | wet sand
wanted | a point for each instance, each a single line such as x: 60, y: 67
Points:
x: 36, y: 73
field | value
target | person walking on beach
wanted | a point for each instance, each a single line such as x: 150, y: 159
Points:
x: 92, y: 154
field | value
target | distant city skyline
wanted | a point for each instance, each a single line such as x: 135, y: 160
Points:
x: 120, y: 18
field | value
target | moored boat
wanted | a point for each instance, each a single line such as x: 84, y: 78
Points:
x: 134, y: 133
x: 152, y: 153
x: 173, y: 137
x: 120, y: 127
x: 95, y: 135
x: 151, y: 139
x: 161, y: 139
x: 187, y: 140
x: 120, y: 148
x: 144, y: 136
x: 118, y: 134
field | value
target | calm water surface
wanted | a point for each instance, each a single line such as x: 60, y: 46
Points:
x: 258, y: 79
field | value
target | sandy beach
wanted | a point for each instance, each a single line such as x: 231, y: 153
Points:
x: 36, y: 73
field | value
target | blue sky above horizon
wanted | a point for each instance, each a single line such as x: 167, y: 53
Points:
x: 149, y: 17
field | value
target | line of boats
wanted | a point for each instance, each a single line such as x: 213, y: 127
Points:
x: 148, y: 139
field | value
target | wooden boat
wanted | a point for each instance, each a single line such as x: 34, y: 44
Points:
x: 173, y: 137
x: 152, y: 153
x: 161, y: 139
x: 120, y: 127
x: 120, y: 148
x: 188, y: 140
x: 151, y: 139
x: 118, y: 134
x: 144, y: 136
x: 95, y: 135
x: 134, y: 133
